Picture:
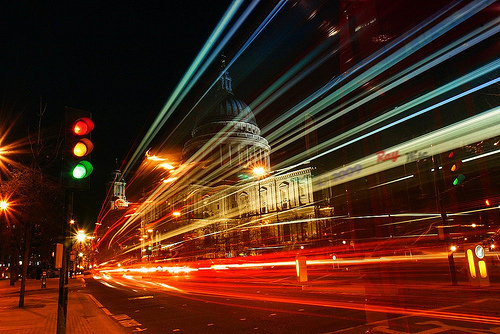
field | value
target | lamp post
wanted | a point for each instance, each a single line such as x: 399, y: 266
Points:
x: 259, y: 172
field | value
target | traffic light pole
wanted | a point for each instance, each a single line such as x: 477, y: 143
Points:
x: 444, y: 221
x: 76, y: 169
x: 62, y: 304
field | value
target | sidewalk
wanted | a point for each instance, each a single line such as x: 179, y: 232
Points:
x: 39, y: 314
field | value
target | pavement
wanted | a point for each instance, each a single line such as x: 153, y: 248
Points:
x: 39, y: 315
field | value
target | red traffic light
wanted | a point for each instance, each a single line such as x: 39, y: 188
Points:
x: 83, y: 126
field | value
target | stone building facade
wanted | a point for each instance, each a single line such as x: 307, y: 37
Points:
x: 225, y: 210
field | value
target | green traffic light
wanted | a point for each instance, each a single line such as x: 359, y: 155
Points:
x: 459, y: 179
x: 82, y: 170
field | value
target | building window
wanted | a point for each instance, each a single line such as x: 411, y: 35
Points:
x: 244, y: 203
x: 284, y: 195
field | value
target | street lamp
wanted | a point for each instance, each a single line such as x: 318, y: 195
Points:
x: 80, y: 236
x: 5, y: 206
x: 258, y: 172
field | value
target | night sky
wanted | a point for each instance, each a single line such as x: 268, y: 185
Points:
x: 118, y: 60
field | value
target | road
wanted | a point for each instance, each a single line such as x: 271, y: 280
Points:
x: 165, y: 311
x: 407, y: 297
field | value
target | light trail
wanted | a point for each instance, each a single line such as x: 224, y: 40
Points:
x: 413, y: 71
x: 481, y: 156
x: 166, y: 110
x: 441, y: 28
x: 242, y: 292
x: 471, y: 130
x: 488, y: 68
x: 218, y: 50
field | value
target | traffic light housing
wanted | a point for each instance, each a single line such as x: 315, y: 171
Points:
x: 149, y: 249
x: 78, y: 147
x: 457, y: 178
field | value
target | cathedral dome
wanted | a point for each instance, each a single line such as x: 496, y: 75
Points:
x: 226, y: 132
x: 228, y: 108
x: 223, y: 110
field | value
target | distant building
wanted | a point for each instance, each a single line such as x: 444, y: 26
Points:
x: 116, y: 186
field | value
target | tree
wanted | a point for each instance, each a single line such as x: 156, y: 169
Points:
x: 35, y: 196
x: 37, y: 201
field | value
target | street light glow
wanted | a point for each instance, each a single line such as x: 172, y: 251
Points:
x: 80, y: 237
x: 258, y: 171
x: 4, y: 205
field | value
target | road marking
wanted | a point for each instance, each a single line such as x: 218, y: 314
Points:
x: 95, y: 301
x: 440, y: 327
x: 141, y: 297
x: 105, y: 310
x: 126, y: 321
x: 123, y: 319
x: 120, y: 317
x: 382, y: 326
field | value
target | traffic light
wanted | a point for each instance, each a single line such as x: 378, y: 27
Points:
x: 455, y: 168
x: 149, y: 249
x: 78, y: 146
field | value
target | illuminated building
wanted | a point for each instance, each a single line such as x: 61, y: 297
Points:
x: 226, y: 210
x: 117, y: 185
x: 226, y: 135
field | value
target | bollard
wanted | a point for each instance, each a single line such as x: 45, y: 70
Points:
x: 478, y: 273
x: 301, y: 267
x: 44, y: 280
